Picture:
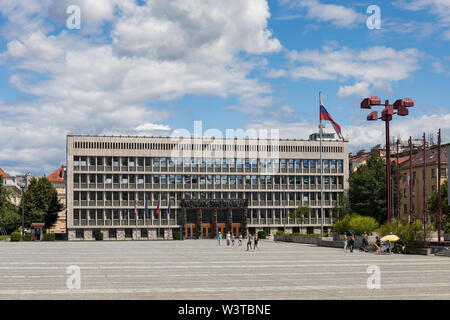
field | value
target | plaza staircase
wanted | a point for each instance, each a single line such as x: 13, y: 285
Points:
x: 445, y: 252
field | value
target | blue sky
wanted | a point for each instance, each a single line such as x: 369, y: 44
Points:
x: 152, y: 67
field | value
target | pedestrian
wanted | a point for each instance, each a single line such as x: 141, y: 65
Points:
x: 240, y: 240
x: 255, y: 245
x: 345, y: 241
x: 228, y: 238
x: 351, y: 240
x: 249, y: 241
x: 365, y: 241
x: 232, y: 240
x: 220, y: 238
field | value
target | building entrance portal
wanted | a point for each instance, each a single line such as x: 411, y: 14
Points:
x: 206, y: 218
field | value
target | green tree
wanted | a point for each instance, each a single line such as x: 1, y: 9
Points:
x: 342, y: 207
x: 367, y: 190
x: 432, y: 204
x: 41, y: 203
x: 9, y: 219
x: 300, y: 213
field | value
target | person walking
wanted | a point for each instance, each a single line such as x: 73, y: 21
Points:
x: 220, y: 238
x: 255, y: 244
x: 351, y: 241
x: 228, y: 238
x: 240, y: 240
x: 249, y: 242
x: 345, y: 241
x: 232, y: 240
x: 365, y: 241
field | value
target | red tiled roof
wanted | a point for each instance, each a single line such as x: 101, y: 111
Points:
x: 57, y: 176
x: 431, y: 153
x: 3, y: 174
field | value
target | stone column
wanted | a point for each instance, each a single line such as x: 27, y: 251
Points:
x: 214, y: 223
x: 229, y: 219
x: 244, y: 221
x: 183, y: 223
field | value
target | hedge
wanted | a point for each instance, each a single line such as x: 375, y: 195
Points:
x: 49, y: 237
x: 27, y: 237
x: 176, y: 235
x: 98, y: 236
x: 261, y: 235
x: 15, y: 236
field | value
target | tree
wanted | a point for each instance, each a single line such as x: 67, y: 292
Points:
x: 342, y: 207
x: 300, y: 213
x: 41, y: 203
x: 9, y: 219
x: 432, y: 204
x: 367, y: 191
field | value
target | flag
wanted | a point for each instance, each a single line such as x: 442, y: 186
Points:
x: 157, y: 208
x: 324, y: 115
x: 146, y: 208
x: 169, y: 209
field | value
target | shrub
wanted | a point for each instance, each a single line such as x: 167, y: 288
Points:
x: 447, y: 227
x: 27, y: 236
x: 99, y: 236
x: 359, y: 224
x: 261, y: 235
x: 342, y: 225
x: 49, y: 237
x: 412, y: 236
x: 15, y: 236
x: 176, y: 235
x: 279, y: 232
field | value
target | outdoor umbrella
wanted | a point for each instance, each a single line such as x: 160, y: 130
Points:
x: 390, y: 237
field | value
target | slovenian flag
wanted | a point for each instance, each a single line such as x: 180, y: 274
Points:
x: 157, y: 209
x: 324, y: 115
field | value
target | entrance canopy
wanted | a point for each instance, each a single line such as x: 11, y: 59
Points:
x: 207, y: 223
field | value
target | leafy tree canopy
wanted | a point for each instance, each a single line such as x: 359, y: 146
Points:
x: 9, y: 219
x: 41, y: 203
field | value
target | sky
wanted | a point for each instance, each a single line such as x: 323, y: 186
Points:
x: 154, y: 67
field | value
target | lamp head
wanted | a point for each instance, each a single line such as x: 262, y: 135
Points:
x: 368, y: 102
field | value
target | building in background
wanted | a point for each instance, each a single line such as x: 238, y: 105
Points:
x: 111, y: 180
x: 13, y: 184
x: 57, y: 179
x: 431, y: 181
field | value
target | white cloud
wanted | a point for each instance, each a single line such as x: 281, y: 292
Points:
x: 374, y: 68
x: 106, y: 79
x: 152, y: 127
x: 338, y: 15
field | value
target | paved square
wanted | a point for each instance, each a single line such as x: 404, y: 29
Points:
x: 199, y: 269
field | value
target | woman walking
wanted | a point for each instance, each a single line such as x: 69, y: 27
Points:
x: 220, y: 238
x: 228, y: 238
x: 249, y: 241
x: 255, y: 244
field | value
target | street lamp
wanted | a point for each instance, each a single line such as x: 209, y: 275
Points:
x: 23, y: 186
x: 400, y: 106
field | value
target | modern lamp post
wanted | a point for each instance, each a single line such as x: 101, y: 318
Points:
x: 400, y: 106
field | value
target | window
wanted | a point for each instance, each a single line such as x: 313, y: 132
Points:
x: 433, y: 173
x: 443, y: 173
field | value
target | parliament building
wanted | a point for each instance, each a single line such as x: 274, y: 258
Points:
x: 134, y: 187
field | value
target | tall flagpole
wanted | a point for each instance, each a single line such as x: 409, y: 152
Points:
x: 321, y: 168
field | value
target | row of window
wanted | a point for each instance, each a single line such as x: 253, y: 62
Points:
x: 433, y: 174
x: 230, y: 146
x: 158, y: 196
x: 204, y: 179
x: 118, y: 214
x: 205, y: 162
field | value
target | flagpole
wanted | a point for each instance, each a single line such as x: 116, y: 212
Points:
x: 321, y: 168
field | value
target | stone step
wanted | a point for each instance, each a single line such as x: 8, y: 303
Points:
x: 443, y: 253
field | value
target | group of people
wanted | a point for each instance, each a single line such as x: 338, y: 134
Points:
x: 378, y: 245
x: 252, y: 240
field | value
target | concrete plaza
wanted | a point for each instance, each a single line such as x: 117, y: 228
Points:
x: 199, y: 269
